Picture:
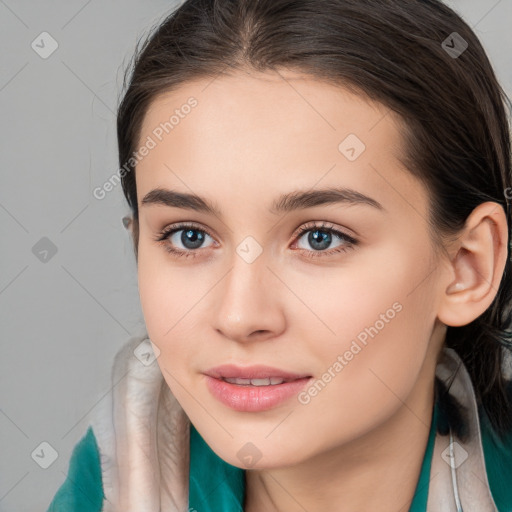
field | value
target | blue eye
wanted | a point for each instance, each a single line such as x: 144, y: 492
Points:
x: 321, y: 237
x: 192, y: 238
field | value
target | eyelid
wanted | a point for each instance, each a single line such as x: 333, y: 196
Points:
x: 169, y: 230
x: 162, y: 237
x: 304, y: 227
x: 327, y: 226
x: 351, y: 241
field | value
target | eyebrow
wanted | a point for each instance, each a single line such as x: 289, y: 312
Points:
x: 291, y: 201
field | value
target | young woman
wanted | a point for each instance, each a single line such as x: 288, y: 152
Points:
x: 321, y: 214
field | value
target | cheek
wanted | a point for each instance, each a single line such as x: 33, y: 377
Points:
x: 165, y: 315
x: 164, y: 303
x: 376, y: 323
x: 362, y: 384
x: 166, y: 293
x: 368, y: 299
x: 174, y: 302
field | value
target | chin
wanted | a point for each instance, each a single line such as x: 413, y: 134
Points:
x: 243, y: 453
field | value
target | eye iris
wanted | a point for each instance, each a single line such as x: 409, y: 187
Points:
x: 324, y: 237
x: 189, y: 236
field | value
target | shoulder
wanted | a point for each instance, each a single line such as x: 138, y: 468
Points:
x: 82, y: 491
x: 498, y: 460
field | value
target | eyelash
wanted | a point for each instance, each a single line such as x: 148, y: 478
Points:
x: 350, y: 242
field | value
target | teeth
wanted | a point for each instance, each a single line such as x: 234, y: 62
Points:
x: 255, y: 382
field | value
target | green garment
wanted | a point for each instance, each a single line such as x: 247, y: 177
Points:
x: 82, y: 491
x: 216, y: 486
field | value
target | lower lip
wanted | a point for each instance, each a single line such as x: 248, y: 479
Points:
x: 254, y: 398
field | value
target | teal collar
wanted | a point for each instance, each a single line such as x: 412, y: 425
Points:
x: 216, y: 485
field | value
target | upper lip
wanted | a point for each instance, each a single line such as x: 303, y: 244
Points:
x: 251, y: 372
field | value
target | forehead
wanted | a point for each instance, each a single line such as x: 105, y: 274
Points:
x: 269, y: 100
x: 249, y: 130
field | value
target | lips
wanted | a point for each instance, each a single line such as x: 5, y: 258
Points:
x: 253, y: 374
x: 253, y: 388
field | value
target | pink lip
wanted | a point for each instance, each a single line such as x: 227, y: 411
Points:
x: 249, y: 398
x: 251, y: 372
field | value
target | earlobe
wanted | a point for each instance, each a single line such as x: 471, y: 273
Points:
x: 476, y: 270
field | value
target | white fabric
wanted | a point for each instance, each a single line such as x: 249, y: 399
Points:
x: 470, y: 474
x: 143, y: 439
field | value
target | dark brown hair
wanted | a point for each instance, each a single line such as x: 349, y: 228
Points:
x: 456, y: 127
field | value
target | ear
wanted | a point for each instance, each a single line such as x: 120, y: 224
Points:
x: 128, y: 223
x: 132, y: 225
x: 475, y: 271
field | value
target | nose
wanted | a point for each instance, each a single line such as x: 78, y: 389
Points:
x: 249, y: 303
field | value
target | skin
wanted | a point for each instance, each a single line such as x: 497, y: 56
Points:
x: 359, y: 444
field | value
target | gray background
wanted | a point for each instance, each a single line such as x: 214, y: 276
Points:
x: 63, y: 319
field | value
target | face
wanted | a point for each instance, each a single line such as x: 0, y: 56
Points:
x: 339, y: 290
